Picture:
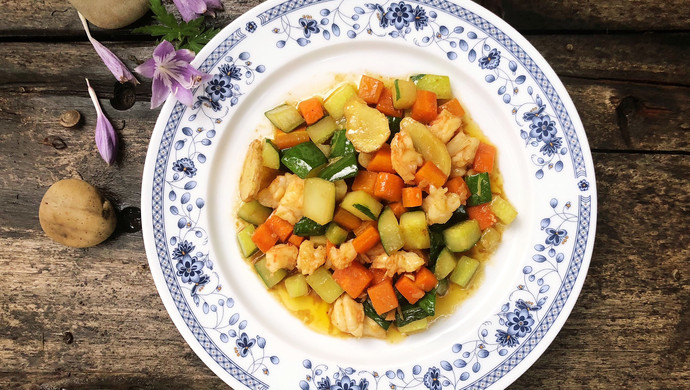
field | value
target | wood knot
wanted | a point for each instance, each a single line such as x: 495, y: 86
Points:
x: 124, y: 96
x: 68, y: 337
x: 54, y: 141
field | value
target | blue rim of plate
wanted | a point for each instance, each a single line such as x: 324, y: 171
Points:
x: 161, y: 249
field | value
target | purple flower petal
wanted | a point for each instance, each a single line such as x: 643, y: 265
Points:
x: 147, y: 69
x: 116, y: 67
x: 106, y: 138
x: 185, y: 55
x: 164, y: 52
x: 159, y: 92
x: 182, y: 94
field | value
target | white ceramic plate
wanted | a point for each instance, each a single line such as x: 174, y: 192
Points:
x: 288, y: 50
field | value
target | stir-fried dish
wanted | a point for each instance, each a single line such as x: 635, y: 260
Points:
x: 370, y: 207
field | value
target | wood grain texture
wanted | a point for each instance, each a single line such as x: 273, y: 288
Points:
x: 81, y: 319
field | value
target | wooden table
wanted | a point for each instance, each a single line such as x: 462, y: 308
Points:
x: 92, y: 318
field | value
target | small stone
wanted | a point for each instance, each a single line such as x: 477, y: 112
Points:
x: 55, y: 142
x: 68, y: 337
x: 676, y: 275
x: 569, y: 47
x: 70, y: 118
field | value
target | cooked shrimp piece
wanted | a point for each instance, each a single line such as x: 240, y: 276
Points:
x: 310, y: 257
x: 281, y: 256
x: 348, y: 315
x: 366, y: 258
x: 398, y: 262
x: 284, y: 194
x: 445, y: 125
x: 341, y: 257
x: 404, y: 157
x: 462, y: 149
x: 440, y: 204
x: 372, y: 329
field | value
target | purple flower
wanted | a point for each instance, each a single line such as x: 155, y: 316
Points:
x: 171, y: 72
x: 431, y: 379
x: 519, y: 322
x: 555, y: 237
x: 191, y: 9
x: 310, y: 26
x: 106, y: 138
x: 116, y: 67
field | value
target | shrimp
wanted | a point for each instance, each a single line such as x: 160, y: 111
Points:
x: 348, y: 315
x: 284, y: 194
x: 282, y: 256
x: 445, y: 125
x: 440, y: 204
x: 398, y: 262
x: 404, y: 157
x: 372, y: 329
x: 310, y: 258
x: 462, y: 149
x: 342, y: 257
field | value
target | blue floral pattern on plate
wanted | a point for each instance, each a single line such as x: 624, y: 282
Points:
x: 181, y: 248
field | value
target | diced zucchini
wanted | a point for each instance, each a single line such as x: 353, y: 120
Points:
x: 340, y: 190
x: 440, y: 85
x: 302, y: 158
x: 318, y: 240
x: 323, y: 284
x: 462, y: 236
x: 335, y: 234
x: 426, y: 143
x: 336, y: 101
x: 318, y: 200
x: 389, y: 230
x: 244, y: 238
x: 459, y: 215
x: 366, y: 127
x: 296, y: 286
x: 414, y: 230
x: 362, y: 205
x: 414, y: 326
x: 445, y: 264
x: 480, y: 188
x: 270, y: 154
x: 340, y: 168
x: 322, y: 130
x: 254, y: 212
x: 442, y: 287
x: 306, y: 227
x: 271, y: 279
x: 404, y: 94
x: 464, y: 271
x: 285, y: 117
x: 325, y: 149
x: 340, y: 145
x: 503, y: 210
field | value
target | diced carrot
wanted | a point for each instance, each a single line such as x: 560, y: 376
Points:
x: 365, y: 181
x: 282, y: 228
x: 366, y: 240
x: 296, y: 240
x: 398, y: 208
x: 412, y: 196
x: 346, y: 219
x: 425, y: 279
x: 385, y: 104
x: 429, y: 174
x: 383, y: 297
x: 453, y: 106
x: 264, y: 238
x: 483, y: 215
x: 370, y: 89
x: 484, y: 158
x: 389, y: 187
x: 382, y: 160
x: 424, y: 108
x: 409, y: 289
x: 354, y: 278
x: 363, y: 227
x: 458, y: 186
x: 311, y: 110
x: 379, y: 275
x: 287, y: 140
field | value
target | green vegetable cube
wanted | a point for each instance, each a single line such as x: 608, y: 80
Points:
x: 324, y: 285
x: 445, y: 264
x: 319, y: 200
x: 244, y: 238
x: 296, y: 286
x: 440, y: 85
x: 254, y: 212
x: 362, y: 205
x: 340, y: 145
x: 335, y: 234
x: 271, y: 156
x: 270, y: 279
x: 302, y: 158
x: 322, y: 130
x: 503, y: 210
x: 414, y: 230
x: 285, y: 117
x: 464, y: 271
x: 335, y: 102
x: 404, y: 94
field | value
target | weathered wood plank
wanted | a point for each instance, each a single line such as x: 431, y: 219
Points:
x: 56, y: 18
x: 629, y: 321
